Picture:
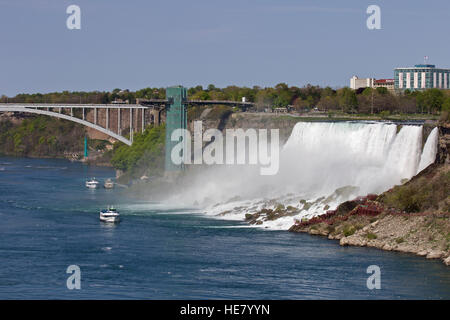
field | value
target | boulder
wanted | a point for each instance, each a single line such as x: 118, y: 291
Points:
x: 422, y: 253
x: 435, y: 255
x: 447, y: 261
x: 353, y: 241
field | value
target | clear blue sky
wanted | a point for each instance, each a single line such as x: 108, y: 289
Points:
x: 135, y: 43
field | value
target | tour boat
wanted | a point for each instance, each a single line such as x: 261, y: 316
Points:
x: 92, y: 184
x: 109, y: 184
x: 110, y: 215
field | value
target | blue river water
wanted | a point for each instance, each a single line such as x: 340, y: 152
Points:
x: 49, y: 220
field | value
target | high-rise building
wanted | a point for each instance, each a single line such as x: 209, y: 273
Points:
x: 421, y: 77
x: 357, y: 83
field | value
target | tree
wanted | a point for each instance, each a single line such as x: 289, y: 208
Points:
x: 433, y: 100
x: 347, y: 100
x: 300, y: 104
x: 446, y: 105
x: 407, y: 104
x: 382, y: 90
x: 328, y: 103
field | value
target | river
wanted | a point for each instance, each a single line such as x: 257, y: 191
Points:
x: 49, y: 220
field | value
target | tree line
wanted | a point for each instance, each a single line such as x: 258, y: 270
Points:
x: 365, y: 100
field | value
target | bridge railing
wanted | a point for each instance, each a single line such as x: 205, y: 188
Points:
x: 74, y: 106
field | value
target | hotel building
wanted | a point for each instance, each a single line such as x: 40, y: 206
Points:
x: 357, y: 83
x: 421, y: 77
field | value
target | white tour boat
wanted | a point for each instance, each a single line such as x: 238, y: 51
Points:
x: 110, y: 215
x: 92, y: 184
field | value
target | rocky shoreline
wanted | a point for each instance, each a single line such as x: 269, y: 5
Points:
x: 411, y: 218
x: 422, y: 234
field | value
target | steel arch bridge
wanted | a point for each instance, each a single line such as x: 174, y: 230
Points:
x: 122, y: 113
x: 112, y: 119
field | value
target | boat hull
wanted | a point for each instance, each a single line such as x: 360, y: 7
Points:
x: 110, y: 219
x: 109, y: 216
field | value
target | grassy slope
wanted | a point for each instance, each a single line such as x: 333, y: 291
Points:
x: 40, y: 137
x: 144, y: 157
x: 426, y: 192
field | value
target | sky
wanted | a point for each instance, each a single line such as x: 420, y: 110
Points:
x: 135, y: 44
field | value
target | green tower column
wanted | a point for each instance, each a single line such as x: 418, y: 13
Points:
x: 176, y: 118
x: 85, y: 147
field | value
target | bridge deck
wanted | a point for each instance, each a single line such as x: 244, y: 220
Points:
x: 122, y: 106
x: 202, y: 102
x: 74, y: 106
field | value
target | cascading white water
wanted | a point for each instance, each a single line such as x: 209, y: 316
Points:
x: 370, y: 156
x: 323, y: 163
x: 429, y: 150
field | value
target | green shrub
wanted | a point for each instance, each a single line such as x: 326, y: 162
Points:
x: 145, y: 155
x: 385, y: 114
x: 371, y: 236
x: 349, y: 230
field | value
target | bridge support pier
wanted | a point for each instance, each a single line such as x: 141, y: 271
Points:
x: 143, y: 120
x: 136, y: 122
x: 131, y: 125
x: 119, y: 129
x: 107, y: 118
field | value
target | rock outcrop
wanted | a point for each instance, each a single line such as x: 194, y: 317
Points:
x: 443, y: 150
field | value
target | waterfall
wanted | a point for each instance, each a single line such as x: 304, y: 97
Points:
x: 429, y: 150
x: 323, y: 163
x: 371, y: 156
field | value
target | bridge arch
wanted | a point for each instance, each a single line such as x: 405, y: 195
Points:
x: 70, y: 118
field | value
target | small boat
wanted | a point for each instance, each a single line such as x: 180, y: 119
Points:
x: 92, y: 184
x: 110, y: 215
x: 109, y: 184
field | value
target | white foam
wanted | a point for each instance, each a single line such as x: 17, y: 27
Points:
x: 317, y: 160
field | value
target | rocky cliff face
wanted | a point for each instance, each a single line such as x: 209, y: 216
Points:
x: 443, y: 151
x: 284, y: 123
